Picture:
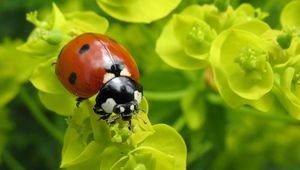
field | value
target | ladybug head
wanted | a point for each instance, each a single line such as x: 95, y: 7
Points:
x: 126, y: 110
x: 120, y: 95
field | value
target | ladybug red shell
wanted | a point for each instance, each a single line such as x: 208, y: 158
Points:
x: 84, y: 61
x: 94, y: 63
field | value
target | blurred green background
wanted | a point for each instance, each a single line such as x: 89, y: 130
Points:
x: 221, y: 138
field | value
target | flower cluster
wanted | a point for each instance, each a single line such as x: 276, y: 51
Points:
x: 252, y: 63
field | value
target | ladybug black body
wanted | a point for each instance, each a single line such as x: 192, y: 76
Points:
x: 94, y: 63
x: 120, y: 95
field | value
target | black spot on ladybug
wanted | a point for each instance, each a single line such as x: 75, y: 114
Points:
x: 84, y: 49
x: 115, y: 68
x: 72, y: 78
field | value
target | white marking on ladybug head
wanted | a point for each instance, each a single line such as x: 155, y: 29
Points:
x: 108, y: 105
x: 108, y: 76
x: 132, y: 107
x: 138, y: 96
x: 125, y: 72
x: 122, y: 109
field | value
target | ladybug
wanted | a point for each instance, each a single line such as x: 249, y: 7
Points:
x: 94, y: 63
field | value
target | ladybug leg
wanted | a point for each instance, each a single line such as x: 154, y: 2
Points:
x: 52, y: 64
x: 113, y: 119
x: 129, y: 125
x: 105, y: 116
x: 100, y: 111
x: 79, y: 100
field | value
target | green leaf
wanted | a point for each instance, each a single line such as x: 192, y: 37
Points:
x: 265, y: 103
x: 289, y: 17
x: 168, y: 141
x: 81, y: 143
x: 45, y: 80
x: 91, y: 164
x: 142, y: 125
x: 245, y: 87
x: 38, y: 47
x: 88, y: 21
x: 254, y: 26
x: 141, y: 11
x: 111, y: 155
x: 158, y: 160
x: 288, y: 96
x: 172, y: 52
x: 50, y: 35
x: 58, y: 18
x: 62, y: 104
x: 165, y: 149
x: 73, y: 144
x: 90, y: 151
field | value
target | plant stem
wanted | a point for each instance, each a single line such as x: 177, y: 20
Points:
x: 179, y: 123
x: 39, y: 116
x: 266, y: 116
x: 11, y: 162
x: 165, y: 96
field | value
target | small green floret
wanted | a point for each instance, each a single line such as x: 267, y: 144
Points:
x: 32, y: 17
x: 284, y: 40
x: 259, y: 14
x: 196, y: 33
x: 120, y: 133
x: 54, y: 37
x: 201, y: 33
x: 251, y: 60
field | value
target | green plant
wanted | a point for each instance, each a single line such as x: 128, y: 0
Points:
x: 223, y: 75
